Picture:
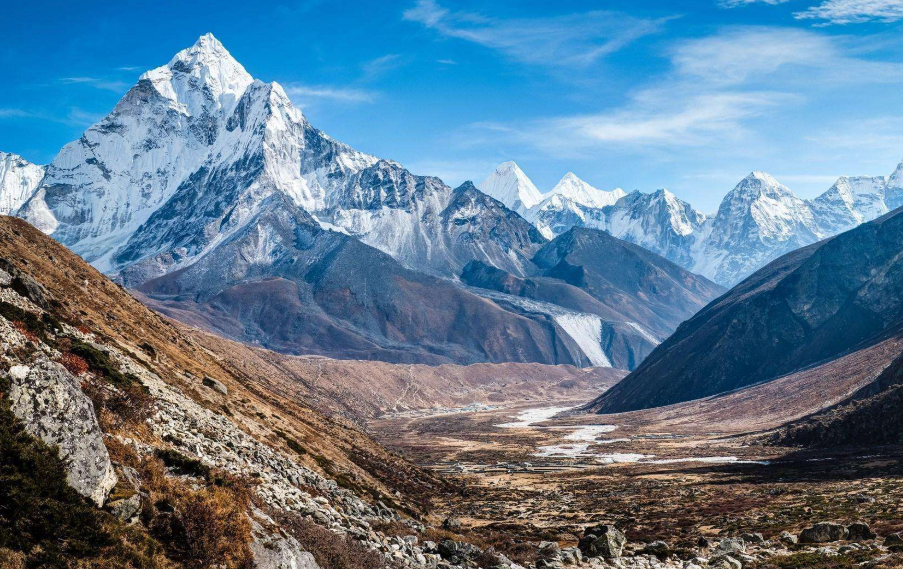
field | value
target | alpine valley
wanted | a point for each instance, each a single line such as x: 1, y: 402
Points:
x: 228, y: 341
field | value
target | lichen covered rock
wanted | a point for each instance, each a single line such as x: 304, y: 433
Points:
x: 50, y: 403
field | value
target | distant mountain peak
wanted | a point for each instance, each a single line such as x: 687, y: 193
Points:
x: 511, y: 186
x: 896, y: 179
x: 581, y: 192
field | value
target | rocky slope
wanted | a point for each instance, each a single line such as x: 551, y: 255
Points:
x: 19, y: 179
x: 810, y: 306
x: 758, y: 221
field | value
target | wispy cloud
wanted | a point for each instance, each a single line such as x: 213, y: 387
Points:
x: 128, y: 68
x: 381, y: 65
x: 854, y: 11
x: 739, y: 3
x: 75, y: 116
x: 306, y: 93
x: 97, y: 83
x: 14, y: 113
x: 717, y: 88
x: 739, y: 55
x: 573, y: 40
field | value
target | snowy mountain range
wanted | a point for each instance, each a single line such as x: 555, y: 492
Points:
x: 758, y: 221
x: 211, y: 194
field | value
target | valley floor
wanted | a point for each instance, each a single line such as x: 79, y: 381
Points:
x: 654, y: 474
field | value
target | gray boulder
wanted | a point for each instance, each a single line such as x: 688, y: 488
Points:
x: 824, y: 532
x: 602, y: 541
x: 126, y: 509
x: 753, y: 538
x: 788, y: 538
x: 50, y: 403
x: 273, y: 551
x: 724, y: 562
x: 860, y: 531
x: 731, y: 546
x: 657, y: 548
x: 215, y: 385
x: 894, y: 539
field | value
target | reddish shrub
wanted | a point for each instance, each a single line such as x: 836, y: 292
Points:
x: 23, y: 329
x: 75, y: 364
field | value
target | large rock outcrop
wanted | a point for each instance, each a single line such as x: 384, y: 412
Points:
x: 50, y: 403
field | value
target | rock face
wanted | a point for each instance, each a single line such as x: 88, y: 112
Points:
x: 811, y: 305
x: 602, y: 541
x: 50, y: 403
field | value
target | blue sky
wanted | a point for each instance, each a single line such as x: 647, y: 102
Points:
x: 688, y: 95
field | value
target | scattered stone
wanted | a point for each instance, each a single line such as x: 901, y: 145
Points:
x: 753, y: 538
x: 549, y: 550
x: 23, y: 284
x: 860, y: 531
x: 571, y: 556
x: 657, y: 548
x: 451, y: 524
x: 863, y: 499
x: 731, y: 545
x: 273, y: 551
x: 456, y: 551
x: 126, y: 509
x: 602, y: 541
x: 894, y: 539
x: 50, y: 403
x: 823, y: 532
x: 215, y: 385
x: 788, y: 538
x: 724, y: 562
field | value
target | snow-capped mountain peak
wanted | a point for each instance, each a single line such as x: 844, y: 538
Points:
x: 896, y: 179
x: 509, y: 185
x: 579, y: 191
x: 18, y: 180
x: 201, y: 76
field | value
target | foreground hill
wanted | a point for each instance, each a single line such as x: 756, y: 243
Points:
x: 809, y: 306
x: 200, y: 460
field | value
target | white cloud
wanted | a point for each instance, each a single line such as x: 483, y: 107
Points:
x: 381, y: 65
x: 854, y: 11
x: 739, y: 3
x: 306, y: 93
x: 573, y: 40
x: 717, y: 90
x: 13, y: 113
x: 745, y: 54
x: 97, y: 83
